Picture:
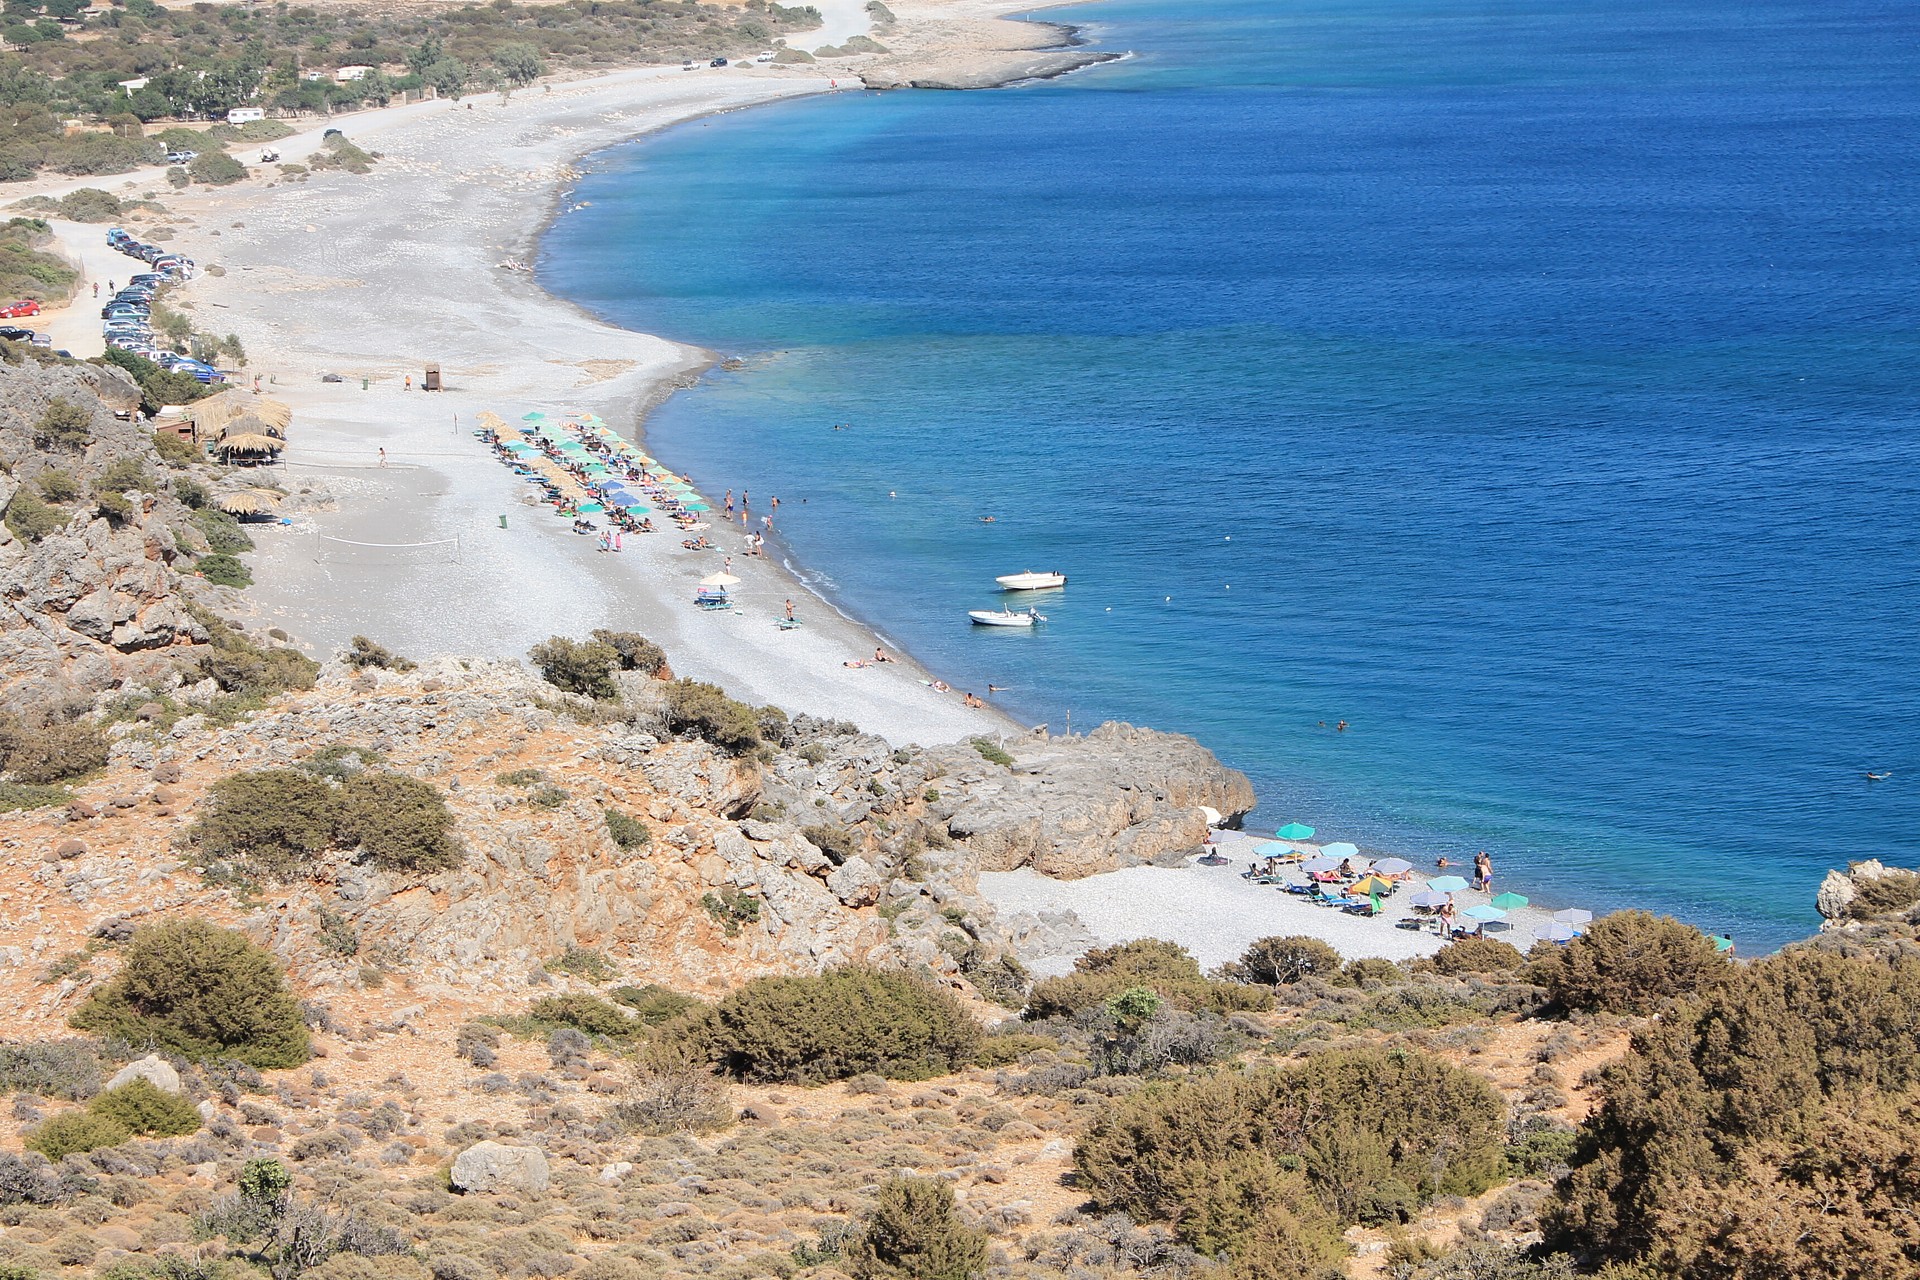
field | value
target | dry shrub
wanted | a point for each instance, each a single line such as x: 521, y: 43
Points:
x: 673, y: 1099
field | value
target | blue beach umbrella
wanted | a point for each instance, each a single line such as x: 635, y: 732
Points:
x: 1295, y: 831
x: 1447, y: 884
x: 1556, y: 932
x: 697, y: 506
x: 1273, y: 849
x: 1485, y: 912
x: 1340, y: 849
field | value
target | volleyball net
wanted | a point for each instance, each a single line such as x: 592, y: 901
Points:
x: 331, y: 550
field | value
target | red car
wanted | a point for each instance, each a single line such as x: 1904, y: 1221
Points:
x: 14, y: 310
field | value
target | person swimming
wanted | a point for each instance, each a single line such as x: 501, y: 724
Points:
x: 1878, y: 777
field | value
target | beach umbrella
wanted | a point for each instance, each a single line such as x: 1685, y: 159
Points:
x: 1321, y: 863
x: 718, y: 580
x: 1447, y: 884
x: 1573, y: 915
x: 1721, y: 943
x: 1428, y: 898
x: 1393, y: 866
x: 1485, y: 912
x: 250, y: 444
x: 637, y: 509
x: 591, y: 508
x: 1510, y: 901
x: 698, y: 506
x: 1340, y: 849
x: 1295, y: 831
x: 248, y: 502
x: 1555, y: 932
x: 535, y: 416
x: 1272, y: 849
x: 1370, y: 885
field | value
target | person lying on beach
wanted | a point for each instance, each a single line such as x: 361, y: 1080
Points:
x: 972, y: 701
x: 853, y: 662
x: 941, y: 686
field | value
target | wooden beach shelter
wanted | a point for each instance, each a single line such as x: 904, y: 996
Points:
x: 432, y: 380
x: 249, y: 448
x: 248, y: 424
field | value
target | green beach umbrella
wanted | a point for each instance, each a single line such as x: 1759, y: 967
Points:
x: 1510, y: 901
x: 1720, y: 943
x: 591, y: 508
x: 1295, y: 831
x: 696, y: 506
x: 535, y: 416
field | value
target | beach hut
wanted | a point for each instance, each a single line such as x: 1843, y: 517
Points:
x: 250, y: 424
x: 249, y: 448
x: 432, y: 381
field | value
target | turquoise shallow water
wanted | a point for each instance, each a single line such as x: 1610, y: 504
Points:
x: 1529, y: 387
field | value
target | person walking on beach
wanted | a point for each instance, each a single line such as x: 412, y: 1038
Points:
x: 1446, y: 919
x: 1483, y: 872
x: 96, y: 288
x: 616, y: 539
x: 729, y: 506
x: 383, y: 456
x: 409, y: 383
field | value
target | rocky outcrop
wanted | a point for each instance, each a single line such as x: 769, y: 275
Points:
x: 494, y: 1166
x: 1118, y: 797
x: 154, y: 1069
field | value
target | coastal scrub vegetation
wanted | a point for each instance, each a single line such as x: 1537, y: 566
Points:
x: 1769, y: 1126
x: 65, y: 62
x: 704, y: 711
x: 811, y: 1030
x: 1163, y: 968
x: 637, y: 653
x: 49, y: 744
x: 274, y: 822
x: 189, y: 987
x: 584, y: 667
x: 915, y: 1233
x: 1630, y: 962
x: 28, y: 268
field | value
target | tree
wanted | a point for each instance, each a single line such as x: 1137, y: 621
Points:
x: 1279, y: 961
x: 448, y: 77
x: 914, y: 1234
x: 519, y: 63
x: 192, y: 988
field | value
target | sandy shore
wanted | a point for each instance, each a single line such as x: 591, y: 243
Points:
x: 1215, y: 913
x: 372, y: 277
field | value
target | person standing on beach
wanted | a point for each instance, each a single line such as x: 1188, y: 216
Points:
x: 383, y: 456
x: 789, y: 610
x: 1446, y: 919
x: 1483, y: 872
x: 729, y: 506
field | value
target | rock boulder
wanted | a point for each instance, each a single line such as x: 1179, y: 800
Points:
x: 494, y: 1166
x: 154, y: 1069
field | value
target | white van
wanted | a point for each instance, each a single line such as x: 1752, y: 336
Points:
x: 245, y: 115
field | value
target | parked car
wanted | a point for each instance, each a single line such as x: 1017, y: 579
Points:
x: 718, y: 62
x: 41, y: 340
x: 182, y: 157
x: 764, y: 57
x: 24, y: 307
x: 13, y: 333
x: 148, y: 278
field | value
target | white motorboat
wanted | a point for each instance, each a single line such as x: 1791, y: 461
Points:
x: 1005, y: 617
x: 1031, y: 581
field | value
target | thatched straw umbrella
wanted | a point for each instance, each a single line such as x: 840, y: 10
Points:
x: 248, y: 424
x: 250, y: 444
x: 214, y: 412
x: 273, y: 413
x: 248, y: 502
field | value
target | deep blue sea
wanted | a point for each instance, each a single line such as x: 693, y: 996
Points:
x: 1529, y: 384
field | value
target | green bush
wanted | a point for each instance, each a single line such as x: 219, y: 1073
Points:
x: 273, y: 820
x: 176, y: 450
x: 1764, y: 1128
x: 637, y: 653
x: 705, y: 711
x: 66, y: 1069
x: 837, y: 843
x: 203, y: 992
x: 30, y: 519
x: 363, y: 653
x: 1346, y: 1136
x: 1630, y: 962
x: 731, y: 909
x: 223, y: 571
x: 584, y: 962
x: 1478, y: 955
x: 216, y: 169
x: 992, y: 753
x: 1279, y: 961
x: 913, y: 1233
x: 584, y: 667
x: 75, y: 1132
x: 64, y: 425
x: 627, y: 831
x: 141, y: 1108
x: 655, y: 1004
x: 1161, y: 967
x: 50, y: 748
x: 811, y: 1030
x: 56, y: 485
x: 586, y: 1013
x: 223, y: 532
x: 18, y: 795
x: 401, y: 823
x: 1884, y: 895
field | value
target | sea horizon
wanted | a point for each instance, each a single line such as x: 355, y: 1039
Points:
x: 1503, y: 563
